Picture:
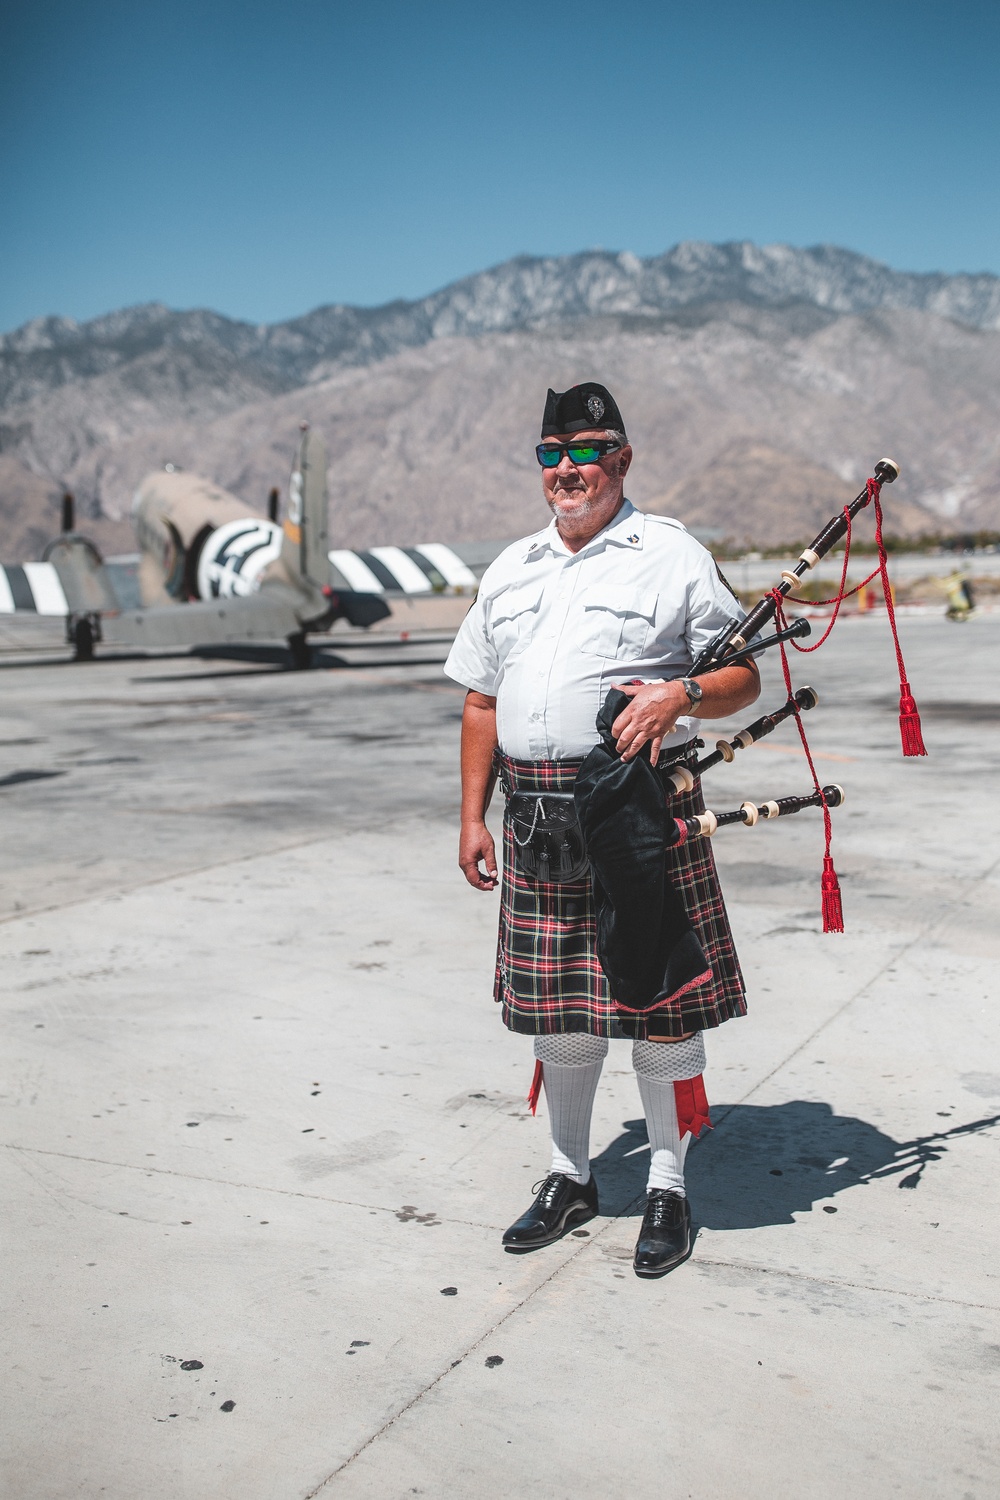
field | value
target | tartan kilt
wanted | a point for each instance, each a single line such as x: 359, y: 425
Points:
x: 548, y: 976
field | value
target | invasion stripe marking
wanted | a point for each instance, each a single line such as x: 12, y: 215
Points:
x: 437, y: 579
x: 411, y: 579
x: 385, y: 576
x: 359, y: 576
x: 451, y: 567
x: 20, y: 589
x: 46, y: 588
x: 6, y: 597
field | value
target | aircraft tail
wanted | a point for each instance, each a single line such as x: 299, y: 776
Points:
x: 305, y: 545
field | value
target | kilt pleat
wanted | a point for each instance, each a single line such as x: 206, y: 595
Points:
x: 548, y: 975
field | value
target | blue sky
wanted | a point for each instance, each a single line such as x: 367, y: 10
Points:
x: 262, y: 159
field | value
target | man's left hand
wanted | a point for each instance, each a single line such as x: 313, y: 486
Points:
x: 650, y: 717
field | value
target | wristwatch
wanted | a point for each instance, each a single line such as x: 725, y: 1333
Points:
x: 693, y: 690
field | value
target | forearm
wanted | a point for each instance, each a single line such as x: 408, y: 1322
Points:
x: 479, y: 740
x: 727, y: 691
x: 655, y: 707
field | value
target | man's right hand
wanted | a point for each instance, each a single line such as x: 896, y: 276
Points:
x: 476, y: 843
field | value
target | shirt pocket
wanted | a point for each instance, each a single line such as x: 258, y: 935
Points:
x: 617, y: 621
x: 513, y: 615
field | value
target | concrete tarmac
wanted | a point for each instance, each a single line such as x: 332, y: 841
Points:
x: 263, y: 1127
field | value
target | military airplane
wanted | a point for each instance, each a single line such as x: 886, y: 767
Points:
x: 214, y: 572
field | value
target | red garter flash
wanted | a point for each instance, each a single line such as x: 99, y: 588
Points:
x: 535, y: 1092
x: 692, y: 1106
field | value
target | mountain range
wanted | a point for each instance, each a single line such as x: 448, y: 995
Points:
x: 759, y: 385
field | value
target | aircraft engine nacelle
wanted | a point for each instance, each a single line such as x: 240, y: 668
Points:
x: 234, y: 558
x: 198, y: 541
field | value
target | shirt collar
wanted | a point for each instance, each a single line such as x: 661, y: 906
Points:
x: 627, y: 529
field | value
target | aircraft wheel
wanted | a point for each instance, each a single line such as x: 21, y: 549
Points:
x: 299, y: 652
x: 83, y: 640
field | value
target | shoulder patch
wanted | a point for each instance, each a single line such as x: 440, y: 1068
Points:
x: 726, y: 584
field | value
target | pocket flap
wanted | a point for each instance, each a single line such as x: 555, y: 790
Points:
x: 515, y: 601
x: 621, y: 599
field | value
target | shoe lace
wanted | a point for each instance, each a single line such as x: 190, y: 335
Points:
x: 660, y: 1208
x: 548, y: 1189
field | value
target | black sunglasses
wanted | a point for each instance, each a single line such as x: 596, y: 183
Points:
x: 550, y: 455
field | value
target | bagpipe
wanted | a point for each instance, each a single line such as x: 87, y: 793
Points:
x: 740, y: 641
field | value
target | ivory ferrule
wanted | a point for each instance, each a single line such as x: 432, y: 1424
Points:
x: 726, y: 750
x: 769, y: 810
x: 707, y: 823
x: 809, y: 557
x: 750, y: 813
x: 744, y: 739
x: 681, y: 779
x: 791, y: 578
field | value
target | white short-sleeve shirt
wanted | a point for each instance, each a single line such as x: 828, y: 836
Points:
x: 552, y: 631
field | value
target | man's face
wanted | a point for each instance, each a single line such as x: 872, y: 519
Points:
x: 584, y: 497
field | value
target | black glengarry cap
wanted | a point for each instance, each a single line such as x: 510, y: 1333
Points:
x: 580, y: 409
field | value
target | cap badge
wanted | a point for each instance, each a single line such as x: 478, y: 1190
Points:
x: 596, y: 407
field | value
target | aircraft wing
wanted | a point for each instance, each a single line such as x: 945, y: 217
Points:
x: 211, y: 570
x: 32, y: 589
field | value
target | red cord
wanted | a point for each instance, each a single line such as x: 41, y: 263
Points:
x: 909, y: 718
x: 818, y: 603
x: 838, y: 601
x: 833, y: 916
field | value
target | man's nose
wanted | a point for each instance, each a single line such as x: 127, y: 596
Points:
x: 566, y: 466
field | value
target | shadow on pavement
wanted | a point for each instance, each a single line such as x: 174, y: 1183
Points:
x: 764, y: 1163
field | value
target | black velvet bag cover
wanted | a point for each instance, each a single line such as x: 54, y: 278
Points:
x: 647, y: 947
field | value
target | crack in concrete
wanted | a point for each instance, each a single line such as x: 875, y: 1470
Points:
x: 253, y: 1187
x: 471, y: 1349
x: 117, y: 891
x: 836, y: 1281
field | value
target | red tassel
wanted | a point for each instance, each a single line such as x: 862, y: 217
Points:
x: 833, y: 911
x: 535, y: 1092
x: 909, y: 719
x: 909, y: 723
x: 692, y: 1106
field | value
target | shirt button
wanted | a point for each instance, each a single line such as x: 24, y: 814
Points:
x: 535, y: 718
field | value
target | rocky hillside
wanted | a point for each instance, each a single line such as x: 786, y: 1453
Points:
x: 759, y: 384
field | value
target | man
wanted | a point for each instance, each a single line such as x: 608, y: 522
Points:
x: 604, y: 596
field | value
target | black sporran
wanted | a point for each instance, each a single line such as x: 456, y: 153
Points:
x: 548, y: 839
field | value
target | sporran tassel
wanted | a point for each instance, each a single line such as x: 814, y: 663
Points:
x: 833, y: 911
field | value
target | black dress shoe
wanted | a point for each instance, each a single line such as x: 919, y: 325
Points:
x: 665, y: 1237
x: 561, y: 1205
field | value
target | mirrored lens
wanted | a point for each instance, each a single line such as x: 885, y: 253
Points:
x: 550, y: 456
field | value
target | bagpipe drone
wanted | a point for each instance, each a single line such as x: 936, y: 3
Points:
x: 739, y: 642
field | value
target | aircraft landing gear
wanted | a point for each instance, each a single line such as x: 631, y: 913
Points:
x: 82, y: 633
x: 299, y: 652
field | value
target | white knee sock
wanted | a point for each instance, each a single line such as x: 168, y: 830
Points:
x: 658, y: 1066
x: 571, y: 1066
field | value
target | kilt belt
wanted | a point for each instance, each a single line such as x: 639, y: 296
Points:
x: 548, y: 975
